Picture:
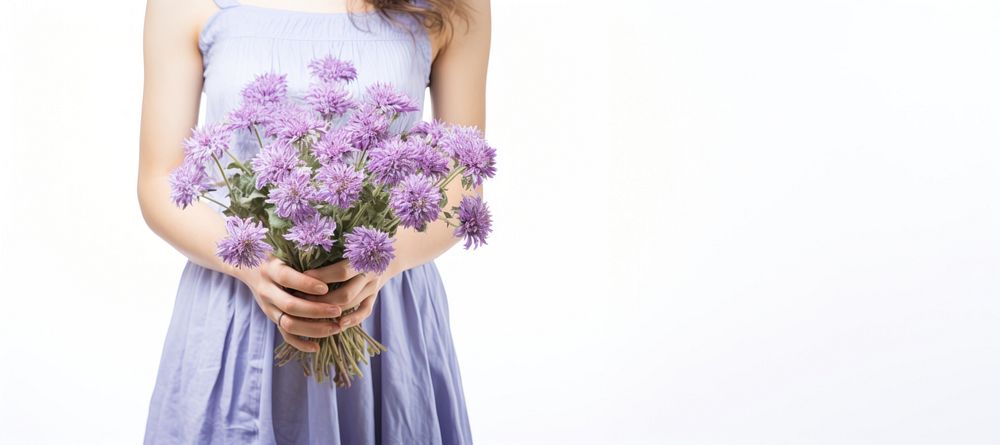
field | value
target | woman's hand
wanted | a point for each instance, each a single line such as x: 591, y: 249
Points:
x: 359, y: 290
x: 302, y: 316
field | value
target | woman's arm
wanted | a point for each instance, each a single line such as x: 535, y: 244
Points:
x: 458, y: 94
x: 171, y: 92
x: 172, y: 81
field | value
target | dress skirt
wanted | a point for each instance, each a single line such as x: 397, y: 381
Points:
x: 217, y: 382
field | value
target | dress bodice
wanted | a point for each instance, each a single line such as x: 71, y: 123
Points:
x: 239, y: 42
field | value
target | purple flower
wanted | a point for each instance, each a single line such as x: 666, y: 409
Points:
x: 340, y: 184
x: 458, y: 135
x: 266, y: 89
x: 293, y: 123
x: 472, y: 152
x: 429, y: 160
x: 368, y: 250
x: 366, y: 128
x: 316, y: 230
x: 332, y: 147
x: 207, y: 141
x: 433, y: 131
x: 245, y: 246
x: 388, y: 100
x: 329, y: 99
x: 187, y: 182
x: 474, y: 221
x: 249, y: 115
x: 392, y: 161
x: 416, y: 201
x: 275, y: 162
x: 331, y: 69
x: 293, y: 194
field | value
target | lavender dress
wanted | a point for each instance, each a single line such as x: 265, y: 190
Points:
x: 217, y: 382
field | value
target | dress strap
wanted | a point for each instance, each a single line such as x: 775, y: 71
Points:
x: 223, y: 4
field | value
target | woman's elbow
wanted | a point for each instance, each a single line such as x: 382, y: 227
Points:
x: 145, y: 190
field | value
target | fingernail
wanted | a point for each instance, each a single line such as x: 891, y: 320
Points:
x: 334, y: 329
x: 320, y: 289
x: 335, y: 311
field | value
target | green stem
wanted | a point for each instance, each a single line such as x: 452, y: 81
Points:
x: 357, y: 216
x: 222, y: 171
x: 306, y: 258
x: 239, y: 164
x: 259, y: 140
x: 447, y: 220
x: 444, y: 182
x: 361, y: 160
x: 217, y: 202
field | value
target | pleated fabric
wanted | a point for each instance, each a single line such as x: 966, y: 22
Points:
x: 217, y: 382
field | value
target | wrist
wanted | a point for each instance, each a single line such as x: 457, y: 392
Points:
x: 247, y: 276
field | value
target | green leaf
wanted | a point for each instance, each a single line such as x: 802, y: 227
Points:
x: 276, y: 222
x: 248, y: 199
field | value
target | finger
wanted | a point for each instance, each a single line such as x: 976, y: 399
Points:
x: 308, y: 327
x: 300, y: 307
x: 347, y: 296
x: 299, y: 343
x: 335, y: 273
x: 356, y: 317
x: 274, y: 314
x: 370, y: 288
x: 290, y: 278
x: 343, y: 295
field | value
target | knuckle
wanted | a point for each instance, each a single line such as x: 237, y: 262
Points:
x: 275, y: 299
x: 264, y: 295
x: 271, y: 268
x: 284, y: 304
x: 323, y: 273
x: 340, y: 297
x: 293, y: 326
x: 283, y: 276
x: 357, y: 301
x: 293, y: 305
x: 340, y: 271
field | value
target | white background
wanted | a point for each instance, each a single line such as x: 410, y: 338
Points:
x: 717, y: 222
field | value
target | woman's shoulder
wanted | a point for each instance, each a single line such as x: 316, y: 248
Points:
x: 179, y: 18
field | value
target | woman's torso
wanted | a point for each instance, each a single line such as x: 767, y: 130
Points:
x: 238, y: 42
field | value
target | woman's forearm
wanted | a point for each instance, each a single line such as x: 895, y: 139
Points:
x: 194, y: 231
x: 458, y: 94
x: 415, y: 248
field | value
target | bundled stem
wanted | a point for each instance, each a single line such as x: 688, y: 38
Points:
x: 337, y: 358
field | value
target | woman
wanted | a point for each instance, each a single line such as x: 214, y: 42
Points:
x: 217, y: 382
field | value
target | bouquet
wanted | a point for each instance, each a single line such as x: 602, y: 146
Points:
x: 331, y: 181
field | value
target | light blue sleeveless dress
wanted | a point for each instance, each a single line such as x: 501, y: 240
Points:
x: 217, y: 382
